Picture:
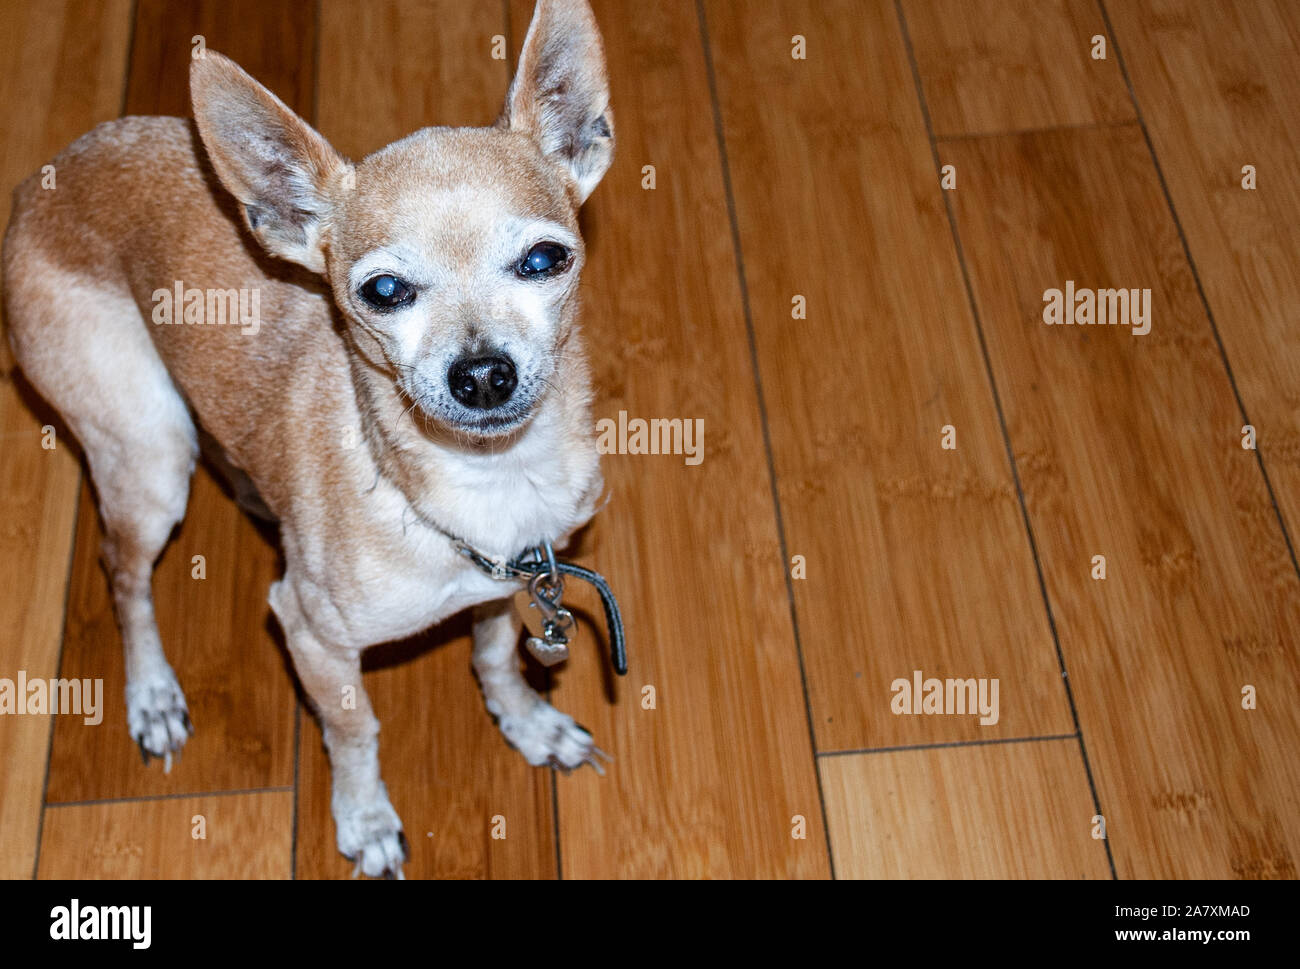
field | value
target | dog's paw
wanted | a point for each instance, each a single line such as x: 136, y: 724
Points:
x: 370, y: 834
x: 157, y: 716
x: 544, y: 735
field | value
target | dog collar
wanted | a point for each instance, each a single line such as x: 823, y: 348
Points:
x: 545, y: 576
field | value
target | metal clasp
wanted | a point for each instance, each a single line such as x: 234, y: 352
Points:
x: 547, y: 591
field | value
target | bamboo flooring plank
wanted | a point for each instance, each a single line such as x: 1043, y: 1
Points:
x: 1005, y: 65
x: 234, y: 836
x: 1017, y: 810
x: 1217, y: 85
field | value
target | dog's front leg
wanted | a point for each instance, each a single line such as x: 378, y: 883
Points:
x: 536, y: 729
x: 368, y: 829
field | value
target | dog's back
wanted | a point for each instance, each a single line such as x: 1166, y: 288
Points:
x: 132, y: 210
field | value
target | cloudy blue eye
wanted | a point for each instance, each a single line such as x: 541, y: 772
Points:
x: 544, y: 259
x: 385, y: 292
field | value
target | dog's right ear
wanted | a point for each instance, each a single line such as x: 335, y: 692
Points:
x: 272, y: 161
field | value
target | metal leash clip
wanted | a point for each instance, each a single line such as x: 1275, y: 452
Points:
x: 547, y: 589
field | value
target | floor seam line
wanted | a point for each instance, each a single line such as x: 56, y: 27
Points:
x: 738, y: 255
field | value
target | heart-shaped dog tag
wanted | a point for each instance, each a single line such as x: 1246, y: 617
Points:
x: 548, y: 654
x: 528, y: 613
x: 549, y: 623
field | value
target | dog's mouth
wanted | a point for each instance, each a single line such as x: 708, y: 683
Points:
x: 438, y: 413
x: 494, y: 425
x: 463, y: 422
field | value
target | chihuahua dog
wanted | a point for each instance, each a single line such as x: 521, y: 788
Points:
x: 415, y: 372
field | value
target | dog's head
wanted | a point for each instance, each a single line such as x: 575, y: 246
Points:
x: 454, y: 254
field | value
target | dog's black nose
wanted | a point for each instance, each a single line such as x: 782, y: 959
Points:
x: 482, y: 382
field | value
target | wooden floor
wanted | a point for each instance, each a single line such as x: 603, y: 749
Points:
x: 772, y: 750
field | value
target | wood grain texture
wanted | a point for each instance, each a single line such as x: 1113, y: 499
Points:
x: 244, y: 836
x: 1218, y: 85
x: 917, y: 556
x: 1128, y: 448
x: 373, y: 91
x: 705, y: 783
x: 1005, y: 65
x: 448, y: 770
x: 218, y: 631
x: 273, y: 40
x: 1017, y: 810
x: 70, y: 59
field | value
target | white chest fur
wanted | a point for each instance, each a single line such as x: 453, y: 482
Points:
x: 401, y: 575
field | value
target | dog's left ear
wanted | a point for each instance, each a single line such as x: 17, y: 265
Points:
x: 560, y: 94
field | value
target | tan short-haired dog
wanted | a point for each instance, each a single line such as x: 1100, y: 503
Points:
x: 418, y: 373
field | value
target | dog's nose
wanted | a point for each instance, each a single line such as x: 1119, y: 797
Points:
x: 482, y: 382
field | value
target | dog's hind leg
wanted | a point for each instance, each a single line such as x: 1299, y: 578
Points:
x: 536, y: 729
x: 142, y: 481
x: 90, y: 356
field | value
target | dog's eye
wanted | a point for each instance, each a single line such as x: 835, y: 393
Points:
x: 544, y: 259
x: 386, y: 292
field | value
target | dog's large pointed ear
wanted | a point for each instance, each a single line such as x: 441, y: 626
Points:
x: 560, y: 94
x: 271, y: 160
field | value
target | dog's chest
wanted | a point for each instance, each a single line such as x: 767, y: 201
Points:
x: 408, y: 575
